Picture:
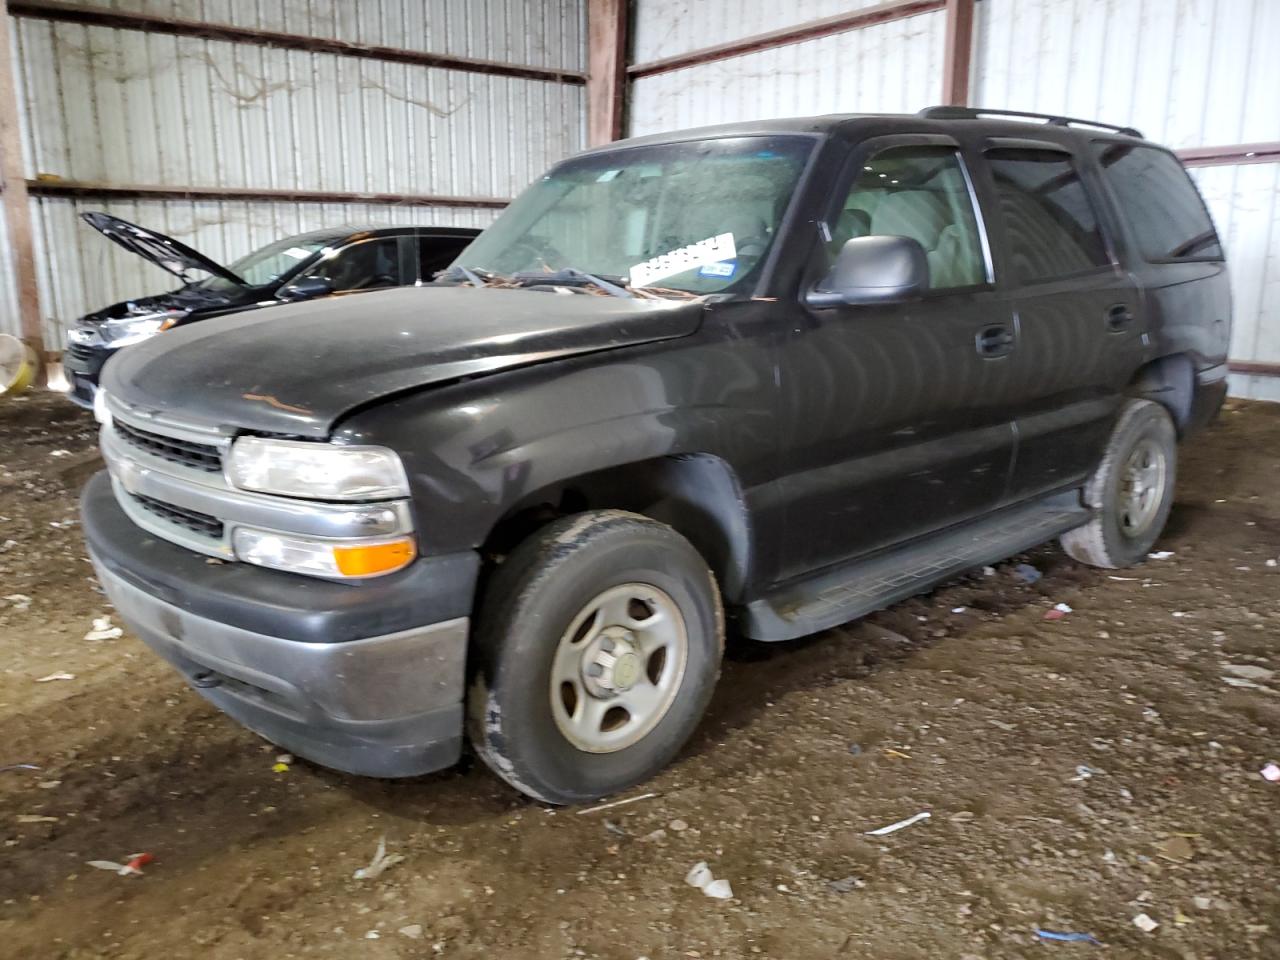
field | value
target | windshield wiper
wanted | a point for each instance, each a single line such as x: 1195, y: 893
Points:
x: 477, y: 277
x: 571, y: 276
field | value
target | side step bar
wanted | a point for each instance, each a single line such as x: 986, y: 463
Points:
x: 853, y: 591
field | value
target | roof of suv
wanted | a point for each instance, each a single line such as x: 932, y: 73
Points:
x: 1008, y: 123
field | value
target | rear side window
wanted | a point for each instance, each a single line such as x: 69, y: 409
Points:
x: 1049, y: 219
x: 1159, y: 201
x: 920, y: 193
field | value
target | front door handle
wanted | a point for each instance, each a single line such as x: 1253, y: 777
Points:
x: 995, y: 341
x: 1119, y: 317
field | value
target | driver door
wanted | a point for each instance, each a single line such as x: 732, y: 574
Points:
x: 893, y: 410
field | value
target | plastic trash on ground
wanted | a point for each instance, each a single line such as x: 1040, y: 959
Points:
x: 700, y: 876
x: 133, y: 868
x: 1271, y: 772
x: 1027, y: 573
x: 1144, y: 923
x: 103, y: 630
x: 380, y: 863
x: 1066, y: 936
x: 895, y: 827
x: 56, y: 676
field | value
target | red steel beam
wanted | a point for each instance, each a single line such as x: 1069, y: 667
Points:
x: 176, y: 26
x: 1254, y: 368
x: 111, y: 191
x: 606, y: 69
x: 841, y: 23
x: 958, y: 55
x: 1231, y: 155
x: 17, y: 211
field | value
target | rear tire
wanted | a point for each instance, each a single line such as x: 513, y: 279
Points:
x: 1131, y: 490
x: 597, y: 649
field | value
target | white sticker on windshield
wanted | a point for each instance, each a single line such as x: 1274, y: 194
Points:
x: 298, y: 253
x: 711, y: 250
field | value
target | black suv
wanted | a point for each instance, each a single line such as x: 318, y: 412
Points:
x: 782, y: 373
x: 340, y: 260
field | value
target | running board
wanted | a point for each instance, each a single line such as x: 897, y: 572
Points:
x: 853, y: 591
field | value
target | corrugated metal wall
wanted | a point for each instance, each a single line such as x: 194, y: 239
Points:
x: 888, y: 68
x: 1188, y: 73
x: 121, y: 106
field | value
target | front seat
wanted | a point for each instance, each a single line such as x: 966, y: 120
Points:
x: 923, y: 217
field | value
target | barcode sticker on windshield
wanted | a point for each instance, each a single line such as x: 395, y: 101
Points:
x: 298, y: 253
x: 712, y: 250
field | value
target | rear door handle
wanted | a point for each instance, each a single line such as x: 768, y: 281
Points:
x: 995, y: 341
x: 1119, y: 317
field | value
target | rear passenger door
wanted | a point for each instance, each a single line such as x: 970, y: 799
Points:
x: 894, y: 424
x: 1076, y: 312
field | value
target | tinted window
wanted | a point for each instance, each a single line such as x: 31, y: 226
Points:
x: 1049, y: 219
x: 1160, y: 203
x: 921, y: 193
x: 362, y: 266
x: 436, y: 253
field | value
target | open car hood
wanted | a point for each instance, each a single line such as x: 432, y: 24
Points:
x: 298, y: 369
x: 165, y: 252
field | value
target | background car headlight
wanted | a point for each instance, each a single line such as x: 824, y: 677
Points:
x: 316, y: 471
x: 346, y: 560
x: 122, y: 331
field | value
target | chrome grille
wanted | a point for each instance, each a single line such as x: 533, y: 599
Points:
x: 198, y: 523
x: 198, y: 456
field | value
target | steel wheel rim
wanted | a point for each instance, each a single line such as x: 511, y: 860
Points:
x: 1141, y: 489
x: 618, y: 667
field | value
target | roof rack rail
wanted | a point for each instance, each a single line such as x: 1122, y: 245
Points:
x: 973, y: 113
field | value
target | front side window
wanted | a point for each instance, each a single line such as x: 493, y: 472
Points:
x: 1160, y: 203
x: 920, y: 193
x: 697, y: 216
x: 366, y: 265
x: 267, y: 264
x: 1049, y: 219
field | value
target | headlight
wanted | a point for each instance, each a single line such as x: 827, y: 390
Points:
x: 347, y: 560
x: 316, y: 471
x: 122, y: 331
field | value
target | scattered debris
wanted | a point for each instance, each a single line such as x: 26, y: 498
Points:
x: 677, y: 826
x: 133, y: 868
x: 615, y: 829
x: 1181, y: 919
x: 617, y: 803
x: 964, y: 816
x: 1202, y: 903
x: 654, y: 836
x: 59, y: 453
x: 1179, y: 613
x: 413, y: 931
x: 1059, y: 611
x: 49, y: 784
x: 1160, y: 555
x: 35, y: 818
x: 700, y: 876
x: 1083, y: 772
x: 1027, y: 573
x: 959, y: 609
x: 894, y: 827
x: 896, y: 754
x: 1248, y: 671
x: 20, y: 602
x: 1001, y: 725
x: 1245, y: 684
x: 855, y: 749
x: 1273, y: 562
x: 18, y: 766
x: 103, y: 630
x: 1144, y: 923
x: 282, y: 764
x: 1271, y: 772
x: 1066, y: 937
x: 56, y: 676
x: 988, y: 571
x: 380, y: 863
x: 846, y: 884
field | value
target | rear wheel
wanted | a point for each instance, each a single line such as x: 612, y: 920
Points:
x: 598, y: 646
x: 1131, y: 490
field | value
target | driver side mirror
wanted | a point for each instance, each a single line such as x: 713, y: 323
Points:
x: 873, y: 270
x: 305, y: 288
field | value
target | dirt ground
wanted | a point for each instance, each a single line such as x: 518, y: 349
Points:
x: 1079, y: 773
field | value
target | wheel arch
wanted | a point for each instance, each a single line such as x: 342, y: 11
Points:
x: 1170, y: 382
x: 697, y: 494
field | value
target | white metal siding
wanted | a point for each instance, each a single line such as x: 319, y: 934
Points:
x: 887, y: 68
x: 665, y: 28
x: 120, y: 106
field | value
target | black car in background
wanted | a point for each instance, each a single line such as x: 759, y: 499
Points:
x: 340, y: 260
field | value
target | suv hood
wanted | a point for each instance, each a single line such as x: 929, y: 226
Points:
x: 299, y: 368
x: 165, y: 252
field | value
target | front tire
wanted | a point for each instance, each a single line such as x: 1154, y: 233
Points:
x: 1131, y: 490
x: 597, y: 649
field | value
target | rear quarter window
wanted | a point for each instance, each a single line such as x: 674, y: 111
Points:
x: 1160, y: 203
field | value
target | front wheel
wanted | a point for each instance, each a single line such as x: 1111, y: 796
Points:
x: 1131, y: 491
x: 597, y: 648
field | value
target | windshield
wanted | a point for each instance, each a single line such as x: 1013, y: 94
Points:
x: 267, y: 264
x: 695, y: 216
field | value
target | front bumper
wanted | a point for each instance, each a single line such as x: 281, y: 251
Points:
x: 82, y: 364
x: 330, y: 672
